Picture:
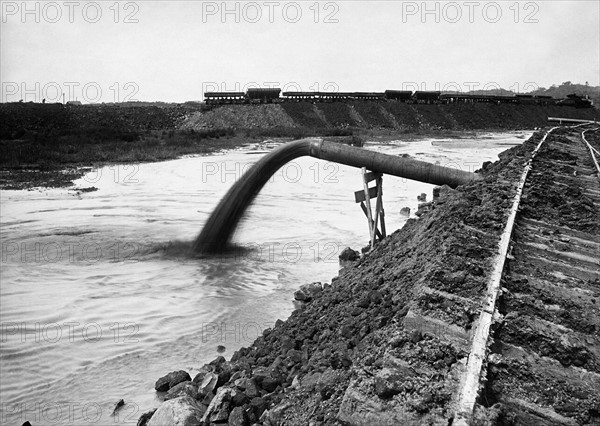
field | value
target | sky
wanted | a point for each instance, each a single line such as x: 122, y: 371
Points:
x: 174, y: 51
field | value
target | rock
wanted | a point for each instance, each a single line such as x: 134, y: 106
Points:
x: 207, y: 399
x: 145, y: 418
x: 358, y: 408
x: 445, y: 191
x: 416, y: 336
x: 422, y: 198
x: 307, y: 292
x: 264, y: 418
x: 294, y: 356
x: 301, y: 296
x: 345, y: 360
x: 386, y: 389
x: 222, y: 415
x: 201, y: 373
x: 346, y: 331
x: 249, y: 386
x: 182, y: 389
x: 217, y: 409
x: 182, y: 411
x: 310, y: 380
x: 260, y: 373
x: 252, y: 389
x: 287, y: 343
x: 118, y: 405
x: 349, y: 254
x: 238, y: 417
x: 269, y: 384
x: 363, y: 302
x: 405, y: 211
x: 295, y: 382
x: 223, y: 377
x: 173, y: 378
x: 375, y: 297
x: 274, y: 416
x: 218, y: 361
x: 240, y: 399
x: 423, y: 208
x: 312, y: 289
x: 259, y: 405
x: 237, y: 375
x: 209, y: 383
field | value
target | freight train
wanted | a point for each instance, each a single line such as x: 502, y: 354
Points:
x: 274, y: 95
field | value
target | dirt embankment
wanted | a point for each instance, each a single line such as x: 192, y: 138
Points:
x: 46, y: 144
x: 394, y: 116
x: 23, y: 120
x: 18, y: 120
x: 384, y: 342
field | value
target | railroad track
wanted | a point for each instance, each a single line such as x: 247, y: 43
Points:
x: 537, y: 344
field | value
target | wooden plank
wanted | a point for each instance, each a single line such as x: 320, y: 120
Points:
x: 364, y: 209
x: 377, y: 210
x: 380, y: 205
x: 368, y: 207
x: 359, y: 196
x: 371, y: 176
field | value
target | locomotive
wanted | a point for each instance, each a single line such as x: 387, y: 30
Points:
x: 274, y: 95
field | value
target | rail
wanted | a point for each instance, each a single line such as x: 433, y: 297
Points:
x: 470, y: 385
x: 592, y: 149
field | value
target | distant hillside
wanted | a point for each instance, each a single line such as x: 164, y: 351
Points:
x: 559, y: 92
x: 567, y: 88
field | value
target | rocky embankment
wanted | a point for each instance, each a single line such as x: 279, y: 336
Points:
x: 383, y: 344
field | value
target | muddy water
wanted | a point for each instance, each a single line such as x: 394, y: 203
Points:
x: 99, y: 297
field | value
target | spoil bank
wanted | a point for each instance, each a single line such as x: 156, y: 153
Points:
x: 48, y: 145
x: 384, y: 342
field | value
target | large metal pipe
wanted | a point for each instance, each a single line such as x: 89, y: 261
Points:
x: 391, y: 164
x: 221, y: 224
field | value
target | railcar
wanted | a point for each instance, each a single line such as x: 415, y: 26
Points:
x: 426, y: 97
x: 368, y: 96
x: 301, y: 96
x: 274, y: 95
x: 262, y: 95
x: 223, y: 98
x: 398, y: 95
x: 545, y: 100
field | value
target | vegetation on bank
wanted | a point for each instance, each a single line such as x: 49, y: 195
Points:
x: 53, y: 156
x: 100, y: 145
x: 46, y: 144
x: 81, y: 147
